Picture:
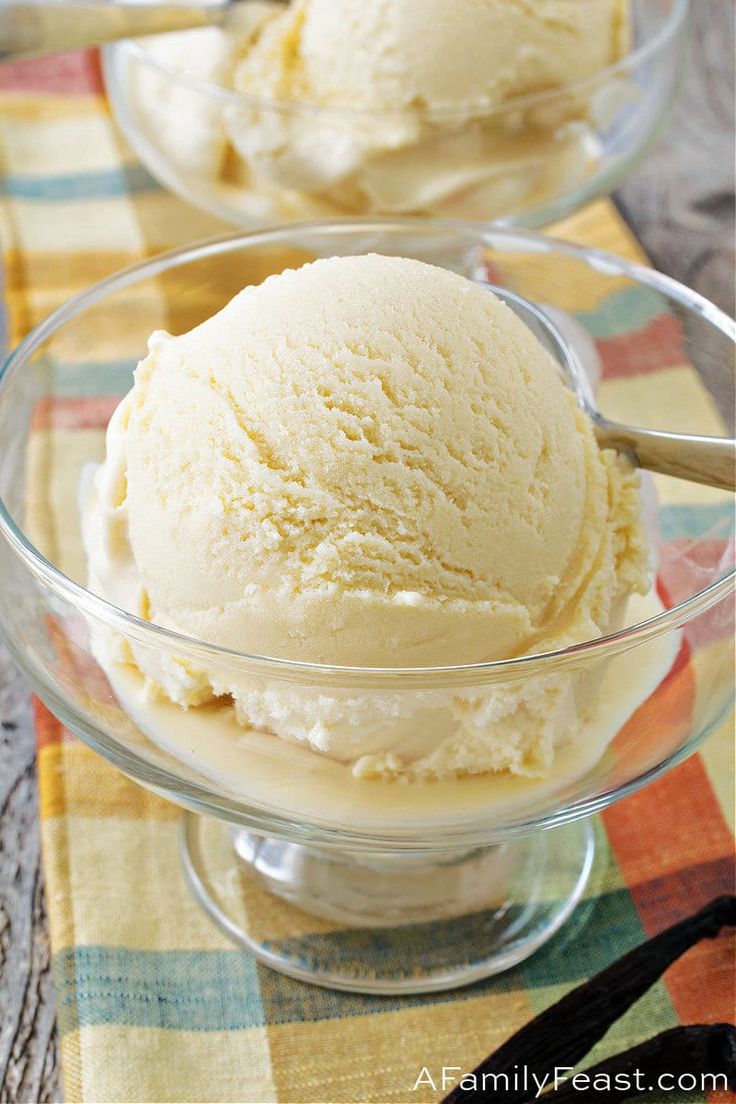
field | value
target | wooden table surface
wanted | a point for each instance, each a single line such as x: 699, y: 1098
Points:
x: 681, y: 205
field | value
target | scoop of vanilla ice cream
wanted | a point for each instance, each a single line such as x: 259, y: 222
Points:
x: 367, y: 461
x: 432, y: 54
x: 384, y: 105
x: 411, y: 73
x: 364, y: 457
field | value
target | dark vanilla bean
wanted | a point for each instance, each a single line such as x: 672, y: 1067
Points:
x: 693, y: 1050
x: 564, y: 1033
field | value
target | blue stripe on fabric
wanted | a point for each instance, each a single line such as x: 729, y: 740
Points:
x: 695, y: 520
x: 94, y: 184
x: 570, y: 957
x: 581, y: 950
x: 227, y: 990
x: 111, y: 377
x: 624, y: 312
x: 179, y: 990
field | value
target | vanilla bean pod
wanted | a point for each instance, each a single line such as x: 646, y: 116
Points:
x: 695, y: 1049
x: 564, y: 1033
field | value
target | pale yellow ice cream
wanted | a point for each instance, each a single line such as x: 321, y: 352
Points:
x: 393, y: 105
x: 367, y: 461
x: 387, y: 54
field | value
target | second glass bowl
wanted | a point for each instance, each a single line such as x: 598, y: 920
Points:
x: 529, y: 161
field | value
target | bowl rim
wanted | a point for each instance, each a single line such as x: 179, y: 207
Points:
x: 505, y: 670
x: 671, y: 26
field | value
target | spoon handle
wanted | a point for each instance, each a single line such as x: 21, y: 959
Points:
x: 708, y: 460
x: 43, y: 26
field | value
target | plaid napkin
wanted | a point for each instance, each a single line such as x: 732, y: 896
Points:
x: 154, y: 1004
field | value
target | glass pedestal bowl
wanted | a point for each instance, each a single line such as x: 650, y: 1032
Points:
x: 528, y: 161
x: 375, y: 885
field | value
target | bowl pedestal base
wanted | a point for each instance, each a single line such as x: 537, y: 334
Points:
x: 396, y: 923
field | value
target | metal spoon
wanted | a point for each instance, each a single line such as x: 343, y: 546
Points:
x: 44, y: 26
x: 708, y: 460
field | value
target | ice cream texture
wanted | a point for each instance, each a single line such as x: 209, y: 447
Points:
x: 368, y: 461
x: 404, y: 102
x: 430, y: 54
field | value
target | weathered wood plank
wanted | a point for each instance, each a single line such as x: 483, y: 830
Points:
x: 28, y: 1046
x: 680, y: 201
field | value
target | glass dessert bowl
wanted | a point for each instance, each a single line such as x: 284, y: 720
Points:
x: 255, y: 158
x: 373, y: 884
